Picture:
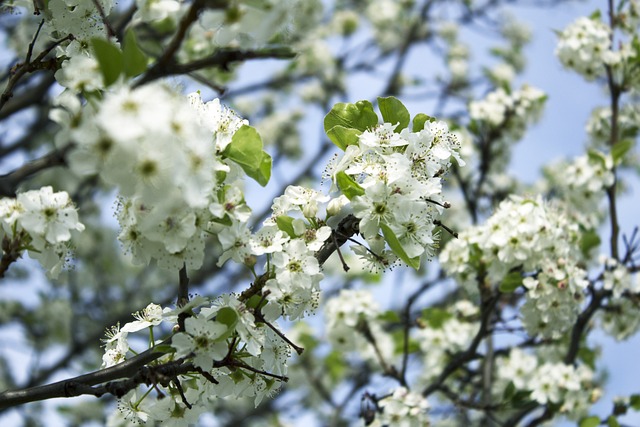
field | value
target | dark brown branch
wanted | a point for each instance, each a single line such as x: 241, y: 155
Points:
x: 38, y: 64
x: 222, y: 59
x: 9, y: 182
x: 183, y: 295
x: 82, y: 384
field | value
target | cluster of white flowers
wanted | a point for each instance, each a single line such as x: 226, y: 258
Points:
x: 388, y: 18
x: 458, y: 54
x: 599, y: 125
x: 82, y: 18
x: 584, y: 45
x: 294, y: 272
x: 443, y: 334
x: 509, y: 112
x: 247, y: 25
x: 400, y: 174
x: 570, y: 387
x: 157, y: 10
x: 581, y: 185
x: 351, y: 319
x: 163, y: 152
x: 620, y: 317
x: 211, y: 335
x: 41, y: 222
x: 525, y: 236
x: 403, y: 408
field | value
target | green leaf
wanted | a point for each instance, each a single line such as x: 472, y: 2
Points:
x: 619, y: 150
x: 285, y: 223
x: 335, y: 364
x: 597, y: 157
x: 436, y: 317
x: 596, y: 15
x: 245, y: 149
x: 593, y: 421
x: 348, y: 186
x: 343, y: 137
x: 109, y: 59
x: 612, y: 421
x: 393, y: 111
x: 511, y: 282
x: 509, y: 391
x: 634, y: 401
x: 254, y: 300
x: 390, y: 316
x: 263, y: 173
x: 227, y: 316
x: 134, y: 60
x: 419, y: 120
x: 588, y: 356
x: 589, y: 240
x: 396, y: 247
x: 163, y: 348
x: 358, y: 116
x: 398, y: 337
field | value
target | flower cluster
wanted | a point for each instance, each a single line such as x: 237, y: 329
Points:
x: 527, y: 237
x: 82, y: 18
x: 352, y: 324
x: 583, y: 46
x: 510, y: 112
x: 164, y: 154
x: 620, y: 316
x: 41, y: 222
x: 599, y: 125
x: 210, y: 336
x: 398, y: 177
x: 403, y: 408
x: 443, y: 333
x: 458, y: 54
x: 570, y: 387
x: 581, y: 185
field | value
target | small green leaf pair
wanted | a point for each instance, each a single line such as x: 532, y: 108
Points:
x: 245, y: 149
x: 130, y: 61
x: 345, y: 122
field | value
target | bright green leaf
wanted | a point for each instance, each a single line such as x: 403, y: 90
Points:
x: 511, y: 282
x: 588, y: 356
x: 358, y: 116
x: 390, y: 316
x: 163, y: 348
x: 263, y: 173
x: 589, y: 240
x: 396, y: 247
x: 596, y: 15
x: 285, y: 223
x: 619, y: 150
x: 593, y: 421
x: 612, y: 421
x: 435, y: 317
x: 246, y: 150
x: 398, y: 337
x: 419, y: 120
x: 348, y: 186
x: 634, y: 401
x: 597, y: 157
x: 134, y: 60
x: 335, y: 364
x: 227, y: 316
x: 393, y: 111
x: 109, y: 59
x: 509, y: 391
x: 342, y: 136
